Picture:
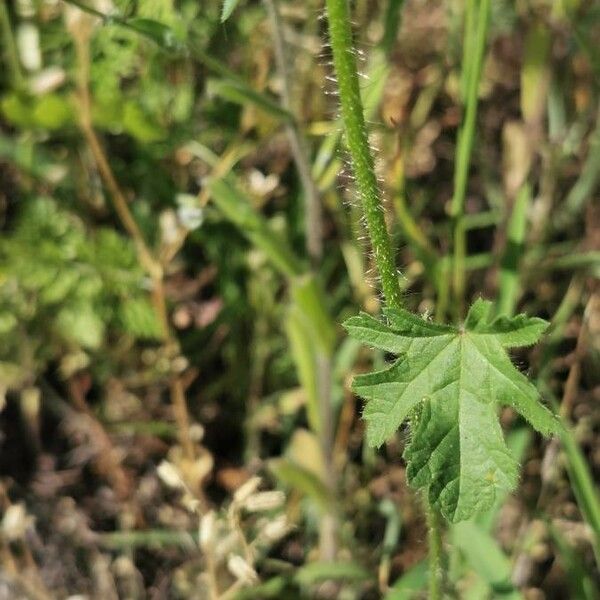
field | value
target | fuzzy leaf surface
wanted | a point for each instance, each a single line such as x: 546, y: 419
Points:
x: 227, y: 9
x: 448, y: 382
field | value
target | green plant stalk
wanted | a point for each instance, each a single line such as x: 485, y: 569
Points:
x: 465, y: 147
x: 297, y: 142
x: 580, y: 476
x: 344, y: 60
x: 377, y: 69
x: 434, y: 540
x: 10, y: 47
x: 509, y: 272
x: 469, y: 37
x: 392, y: 22
x: 467, y: 130
x: 586, y: 184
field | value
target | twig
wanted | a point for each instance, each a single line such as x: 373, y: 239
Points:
x: 298, y: 146
x: 573, y: 378
x: 149, y: 263
x: 106, y: 461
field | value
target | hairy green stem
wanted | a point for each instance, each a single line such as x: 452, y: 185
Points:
x: 340, y: 35
x: 344, y: 60
x: 472, y: 71
x: 434, y: 539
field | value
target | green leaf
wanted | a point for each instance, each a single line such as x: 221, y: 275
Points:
x: 228, y: 8
x: 158, y: 32
x: 52, y: 112
x: 448, y: 383
x: 317, y: 572
x: 139, y: 125
x: 138, y: 318
x: 303, y: 354
x: 486, y: 558
x: 240, y: 93
x: 82, y: 325
x: 301, y: 479
x: 410, y: 583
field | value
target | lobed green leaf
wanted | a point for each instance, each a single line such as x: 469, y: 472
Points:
x: 448, y: 383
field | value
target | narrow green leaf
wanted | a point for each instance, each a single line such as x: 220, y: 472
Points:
x: 485, y: 557
x: 310, y: 300
x: 535, y: 71
x: 238, y: 209
x: 410, y: 583
x: 326, y: 571
x: 509, y: 270
x: 272, y: 588
x: 303, y: 354
x: 242, y: 94
x: 584, y: 487
x: 295, y: 476
x: 158, y: 32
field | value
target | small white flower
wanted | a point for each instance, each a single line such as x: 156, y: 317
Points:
x: 262, y: 185
x: 189, y: 213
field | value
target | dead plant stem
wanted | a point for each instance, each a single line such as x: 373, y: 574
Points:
x: 148, y: 262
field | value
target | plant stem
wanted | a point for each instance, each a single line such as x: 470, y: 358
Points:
x: 472, y: 70
x: 470, y: 29
x: 434, y: 538
x: 344, y: 60
x: 298, y: 146
x: 509, y: 271
x: 147, y: 260
x: 10, y: 47
x: 363, y: 166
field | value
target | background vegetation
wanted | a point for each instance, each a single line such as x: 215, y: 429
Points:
x: 180, y: 242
